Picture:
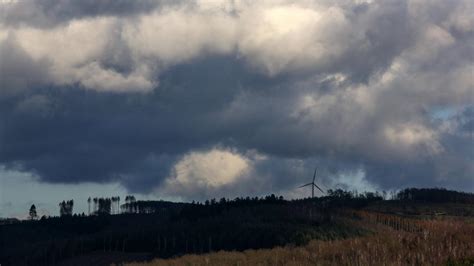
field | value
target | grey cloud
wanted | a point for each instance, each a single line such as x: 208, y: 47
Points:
x: 50, y: 13
x: 136, y: 139
x: 366, y: 109
x: 102, y: 137
x: 18, y: 70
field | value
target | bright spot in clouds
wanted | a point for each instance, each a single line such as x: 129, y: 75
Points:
x: 206, y: 171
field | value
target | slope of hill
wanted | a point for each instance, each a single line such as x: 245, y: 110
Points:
x: 437, y: 242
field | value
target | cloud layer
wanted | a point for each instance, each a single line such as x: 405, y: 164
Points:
x: 248, y: 97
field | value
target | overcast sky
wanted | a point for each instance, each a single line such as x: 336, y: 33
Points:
x: 187, y: 100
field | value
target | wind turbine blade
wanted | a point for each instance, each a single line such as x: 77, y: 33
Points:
x: 309, y: 184
x: 314, y: 176
x: 319, y: 188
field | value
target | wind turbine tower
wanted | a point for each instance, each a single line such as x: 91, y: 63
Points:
x: 313, y: 185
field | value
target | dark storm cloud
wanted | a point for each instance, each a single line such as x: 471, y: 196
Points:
x: 91, y: 136
x: 354, y: 96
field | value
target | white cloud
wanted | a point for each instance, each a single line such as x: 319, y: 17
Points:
x: 93, y: 76
x: 206, y: 172
x: 292, y: 37
x: 173, y: 36
x: 354, y: 180
x: 411, y: 137
x: 274, y: 38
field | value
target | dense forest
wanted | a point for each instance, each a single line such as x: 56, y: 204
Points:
x: 436, y: 195
x: 167, y: 229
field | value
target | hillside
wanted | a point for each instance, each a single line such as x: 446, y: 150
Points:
x: 393, y: 242
x: 149, y: 230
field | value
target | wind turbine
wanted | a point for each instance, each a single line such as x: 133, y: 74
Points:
x: 312, y: 184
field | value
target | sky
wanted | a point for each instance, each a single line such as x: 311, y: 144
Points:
x: 189, y: 100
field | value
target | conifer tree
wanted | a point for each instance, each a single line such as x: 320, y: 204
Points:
x: 33, y: 214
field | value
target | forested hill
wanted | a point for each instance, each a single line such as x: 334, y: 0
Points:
x: 435, y: 195
x: 165, y: 229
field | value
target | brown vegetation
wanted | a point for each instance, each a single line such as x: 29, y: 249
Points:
x: 396, y: 241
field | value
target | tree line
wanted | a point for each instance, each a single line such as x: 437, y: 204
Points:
x: 338, y: 197
x: 435, y: 195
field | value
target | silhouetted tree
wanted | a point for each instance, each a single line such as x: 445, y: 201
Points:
x: 89, y: 203
x: 66, y: 208
x: 115, y: 205
x: 62, y: 208
x: 130, y: 205
x: 112, y: 211
x: 33, y: 214
x: 103, y: 206
x: 95, y: 205
x: 118, y: 204
x: 70, y: 205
